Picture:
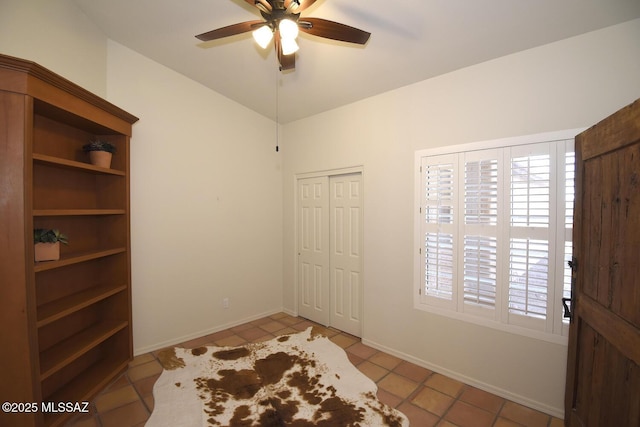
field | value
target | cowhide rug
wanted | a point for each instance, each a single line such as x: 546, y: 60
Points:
x: 298, y: 380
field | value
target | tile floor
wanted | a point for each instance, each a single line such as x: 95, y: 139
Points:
x: 427, y: 398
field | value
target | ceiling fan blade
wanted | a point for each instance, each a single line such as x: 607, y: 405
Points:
x: 333, y: 30
x: 297, y: 6
x: 265, y: 4
x: 230, y: 30
x: 287, y: 62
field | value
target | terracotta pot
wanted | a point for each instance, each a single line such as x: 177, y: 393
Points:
x: 47, y: 251
x: 100, y: 158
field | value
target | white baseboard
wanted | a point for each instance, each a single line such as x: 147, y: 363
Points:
x: 550, y: 410
x: 218, y: 328
x: 290, y: 312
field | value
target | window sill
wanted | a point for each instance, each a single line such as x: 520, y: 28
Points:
x: 493, y: 324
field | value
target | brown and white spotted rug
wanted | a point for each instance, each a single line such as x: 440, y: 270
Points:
x: 298, y: 380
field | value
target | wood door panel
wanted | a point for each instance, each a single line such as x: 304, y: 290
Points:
x: 618, y: 332
x: 614, y: 132
x: 603, y: 369
x: 611, y: 254
x: 608, y: 378
x: 593, y: 211
x: 627, y: 253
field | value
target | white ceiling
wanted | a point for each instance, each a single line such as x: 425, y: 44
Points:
x: 411, y: 40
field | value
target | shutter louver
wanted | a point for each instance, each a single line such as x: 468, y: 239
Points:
x: 481, y: 192
x: 570, y: 173
x: 439, y: 265
x: 480, y: 270
x: 530, y: 189
x: 528, y: 277
x: 439, y: 194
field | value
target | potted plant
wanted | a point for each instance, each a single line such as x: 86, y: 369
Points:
x: 47, y: 244
x: 100, y: 152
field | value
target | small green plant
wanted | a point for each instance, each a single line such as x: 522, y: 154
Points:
x: 45, y: 235
x: 99, y: 145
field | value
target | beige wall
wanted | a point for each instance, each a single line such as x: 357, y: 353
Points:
x: 206, y: 212
x: 565, y: 85
x: 57, y: 35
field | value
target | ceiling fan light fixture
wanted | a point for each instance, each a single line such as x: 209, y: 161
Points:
x: 281, y: 19
x: 289, y: 46
x: 263, y: 36
x: 288, y: 29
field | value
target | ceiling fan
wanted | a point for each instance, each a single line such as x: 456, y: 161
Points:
x: 282, y: 20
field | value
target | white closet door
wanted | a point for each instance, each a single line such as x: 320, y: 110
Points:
x: 346, y: 252
x: 313, y: 249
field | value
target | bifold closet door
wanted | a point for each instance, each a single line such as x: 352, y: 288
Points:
x: 329, y: 222
x: 345, y: 225
x: 313, y: 249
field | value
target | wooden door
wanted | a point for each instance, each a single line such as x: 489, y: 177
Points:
x: 345, y: 225
x: 313, y: 249
x: 603, y: 369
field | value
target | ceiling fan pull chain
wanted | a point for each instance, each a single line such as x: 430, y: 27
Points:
x: 277, y: 125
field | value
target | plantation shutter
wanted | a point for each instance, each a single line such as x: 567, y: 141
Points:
x: 495, y: 227
x: 439, y: 208
x: 566, y: 151
x: 530, y: 204
x: 480, y: 232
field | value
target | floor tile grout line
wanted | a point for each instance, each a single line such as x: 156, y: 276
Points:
x: 497, y: 415
x: 345, y: 339
x: 149, y: 410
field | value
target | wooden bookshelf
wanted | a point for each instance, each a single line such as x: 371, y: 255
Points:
x: 52, y: 311
x: 75, y: 259
x: 72, y: 164
x: 66, y: 324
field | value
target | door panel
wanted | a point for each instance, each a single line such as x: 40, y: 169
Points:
x: 346, y: 260
x: 603, y: 373
x: 313, y: 249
